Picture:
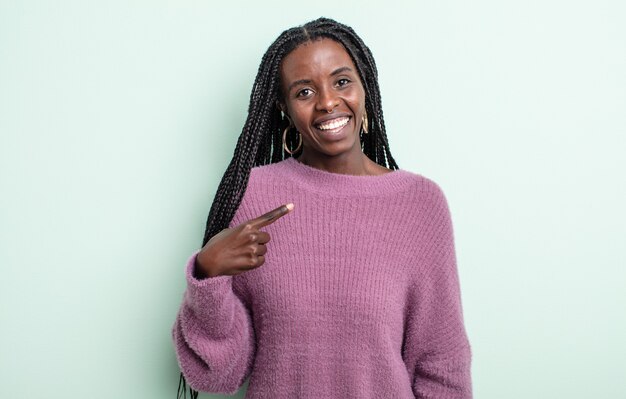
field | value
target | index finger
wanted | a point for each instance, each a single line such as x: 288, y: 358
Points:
x: 271, y: 216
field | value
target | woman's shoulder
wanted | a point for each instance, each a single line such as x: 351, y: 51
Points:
x: 266, y: 174
x: 268, y: 169
x: 430, y: 192
x: 425, y: 183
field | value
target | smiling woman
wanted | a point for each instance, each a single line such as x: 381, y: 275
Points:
x: 358, y: 294
x: 323, y: 94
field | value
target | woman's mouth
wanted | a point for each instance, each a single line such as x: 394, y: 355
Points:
x: 334, y: 126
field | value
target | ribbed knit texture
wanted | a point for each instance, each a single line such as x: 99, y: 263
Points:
x: 359, y: 295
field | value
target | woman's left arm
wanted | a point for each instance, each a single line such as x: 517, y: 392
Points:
x: 436, y: 348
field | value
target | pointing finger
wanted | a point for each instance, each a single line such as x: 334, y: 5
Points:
x: 271, y: 216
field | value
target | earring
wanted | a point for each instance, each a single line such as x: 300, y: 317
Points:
x: 285, y: 138
x: 365, y: 125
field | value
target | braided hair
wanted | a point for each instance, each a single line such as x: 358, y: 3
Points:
x: 261, y: 143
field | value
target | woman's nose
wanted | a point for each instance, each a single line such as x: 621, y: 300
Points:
x: 327, y: 100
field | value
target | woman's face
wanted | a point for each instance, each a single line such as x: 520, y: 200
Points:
x: 324, y: 98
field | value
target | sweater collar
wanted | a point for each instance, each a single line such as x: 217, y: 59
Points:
x: 337, y: 184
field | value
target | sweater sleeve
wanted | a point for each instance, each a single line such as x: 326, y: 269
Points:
x: 436, y: 348
x: 213, y: 334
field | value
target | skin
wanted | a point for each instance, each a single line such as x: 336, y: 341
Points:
x: 319, y: 79
x: 239, y: 249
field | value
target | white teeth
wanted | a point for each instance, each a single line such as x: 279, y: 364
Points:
x: 333, y: 124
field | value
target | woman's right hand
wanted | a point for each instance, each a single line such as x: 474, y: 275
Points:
x: 238, y: 249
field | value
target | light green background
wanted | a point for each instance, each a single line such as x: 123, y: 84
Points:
x: 118, y: 118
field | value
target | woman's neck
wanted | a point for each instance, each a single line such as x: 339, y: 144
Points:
x: 359, y: 165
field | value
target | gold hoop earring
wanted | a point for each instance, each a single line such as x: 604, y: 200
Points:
x: 285, y: 141
x: 365, y: 125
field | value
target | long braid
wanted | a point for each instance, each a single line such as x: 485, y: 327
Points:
x: 260, y: 141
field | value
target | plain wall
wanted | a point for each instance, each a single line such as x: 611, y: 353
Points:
x: 118, y: 119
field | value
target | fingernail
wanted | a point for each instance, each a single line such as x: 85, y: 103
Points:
x: 290, y: 206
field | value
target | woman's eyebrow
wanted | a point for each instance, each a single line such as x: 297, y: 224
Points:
x: 341, y: 69
x: 298, y: 82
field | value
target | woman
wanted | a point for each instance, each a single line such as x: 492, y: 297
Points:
x: 357, y: 293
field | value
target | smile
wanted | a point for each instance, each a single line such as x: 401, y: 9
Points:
x: 334, y: 124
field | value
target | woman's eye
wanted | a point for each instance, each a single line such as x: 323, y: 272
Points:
x: 304, y: 92
x: 343, y: 82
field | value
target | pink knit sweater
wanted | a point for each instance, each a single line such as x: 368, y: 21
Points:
x: 359, y: 295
